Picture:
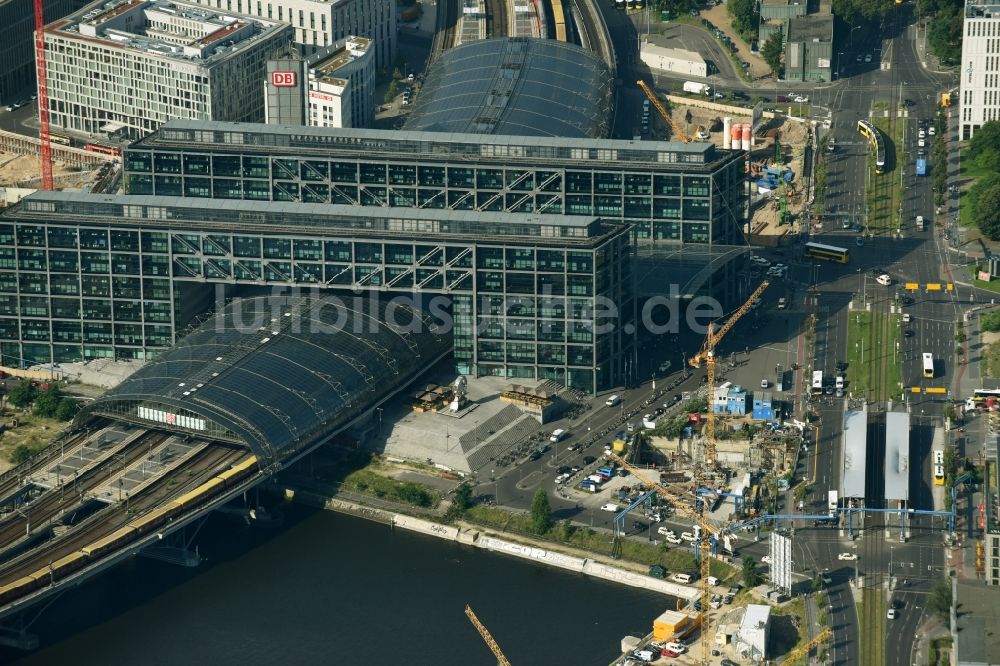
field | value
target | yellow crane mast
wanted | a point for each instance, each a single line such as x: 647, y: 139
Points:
x: 678, y: 133
x: 706, y: 548
x: 803, y: 650
x: 487, y: 637
x: 707, y: 354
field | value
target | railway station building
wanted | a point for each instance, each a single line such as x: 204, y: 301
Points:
x: 670, y: 192
x: 527, y: 295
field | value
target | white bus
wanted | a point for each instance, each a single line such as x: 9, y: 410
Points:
x: 927, y: 361
x: 817, y: 383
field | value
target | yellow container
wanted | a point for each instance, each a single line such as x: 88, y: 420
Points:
x: 668, y: 624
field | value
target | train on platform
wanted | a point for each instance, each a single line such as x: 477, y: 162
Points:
x: 559, y: 19
x: 875, y: 141
x: 132, y: 531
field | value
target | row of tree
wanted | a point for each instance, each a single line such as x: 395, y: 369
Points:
x: 944, y: 28
x: 984, y: 195
x: 50, y: 403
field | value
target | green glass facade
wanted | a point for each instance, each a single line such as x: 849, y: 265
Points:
x: 669, y: 192
x: 90, y: 276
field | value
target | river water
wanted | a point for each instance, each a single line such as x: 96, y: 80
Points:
x: 333, y: 589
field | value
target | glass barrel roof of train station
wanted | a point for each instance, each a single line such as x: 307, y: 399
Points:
x: 280, y: 372
x: 517, y: 86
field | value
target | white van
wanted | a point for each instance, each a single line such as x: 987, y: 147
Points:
x: 557, y: 435
x: 612, y: 401
x: 611, y: 508
x: 683, y: 579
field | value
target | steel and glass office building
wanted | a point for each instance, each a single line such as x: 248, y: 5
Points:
x: 676, y: 193
x: 86, y: 276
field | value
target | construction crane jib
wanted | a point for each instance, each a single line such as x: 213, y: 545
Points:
x: 487, y: 637
x: 678, y: 133
x: 707, y: 354
x: 706, y: 547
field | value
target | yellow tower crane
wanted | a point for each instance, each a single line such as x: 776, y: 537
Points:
x: 707, y: 354
x: 487, y: 637
x: 678, y: 132
x: 803, y: 650
x: 706, y: 548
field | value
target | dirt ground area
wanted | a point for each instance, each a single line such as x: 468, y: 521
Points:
x: 32, y: 430
x: 792, y: 135
x: 720, y: 19
x: 24, y: 170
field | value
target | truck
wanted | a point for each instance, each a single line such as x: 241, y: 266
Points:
x: 921, y: 167
x: 697, y: 88
x: 605, y: 472
x: 832, y: 499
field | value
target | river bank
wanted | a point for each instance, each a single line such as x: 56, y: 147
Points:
x: 520, y: 546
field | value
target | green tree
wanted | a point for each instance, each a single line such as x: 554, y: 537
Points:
x: 857, y: 11
x: 463, y: 498
x: 751, y: 574
x: 66, y: 410
x: 396, y: 74
x: 22, y: 453
x: 948, y: 412
x: 744, y: 15
x: 982, y: 184
x: 47, y: 402
x: 987, y: 212
x: 939, y: 601
x: 541, y: 512
x: 22, y: 394
x: 772, y: 52
x: 990, y: 321
x: 944, y: 35
x: 391, y: 93
x: 987, y: 137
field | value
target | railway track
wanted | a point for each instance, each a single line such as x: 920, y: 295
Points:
x: 10, y: 481
x: 105, y: 521
x: 54, y: 502
x: 497, y: 18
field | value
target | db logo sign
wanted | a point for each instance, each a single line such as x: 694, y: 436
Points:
x: 283, y: 79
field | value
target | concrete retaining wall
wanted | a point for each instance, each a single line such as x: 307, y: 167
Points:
x: 703, y: 103
x: 425, y: 527
x: 633, y: 579
x: 531, y: 553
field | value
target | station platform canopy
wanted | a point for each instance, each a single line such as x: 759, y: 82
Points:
x: 897, y: 456
x: 516, y: 86
x: 279, y: 373
x: 855, y: 453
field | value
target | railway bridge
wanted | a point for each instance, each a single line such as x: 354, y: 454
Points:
x: 254, y: 388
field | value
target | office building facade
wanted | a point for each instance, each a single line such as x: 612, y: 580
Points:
x: 677, y: 193
x: 86, y: 276
x: 334, y: 87
x: 129, y: 68
x: 17, y: 44
x: 979, y: 97
x: 320, y: 23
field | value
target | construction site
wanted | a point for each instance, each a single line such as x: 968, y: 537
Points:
x: 775, y: 144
